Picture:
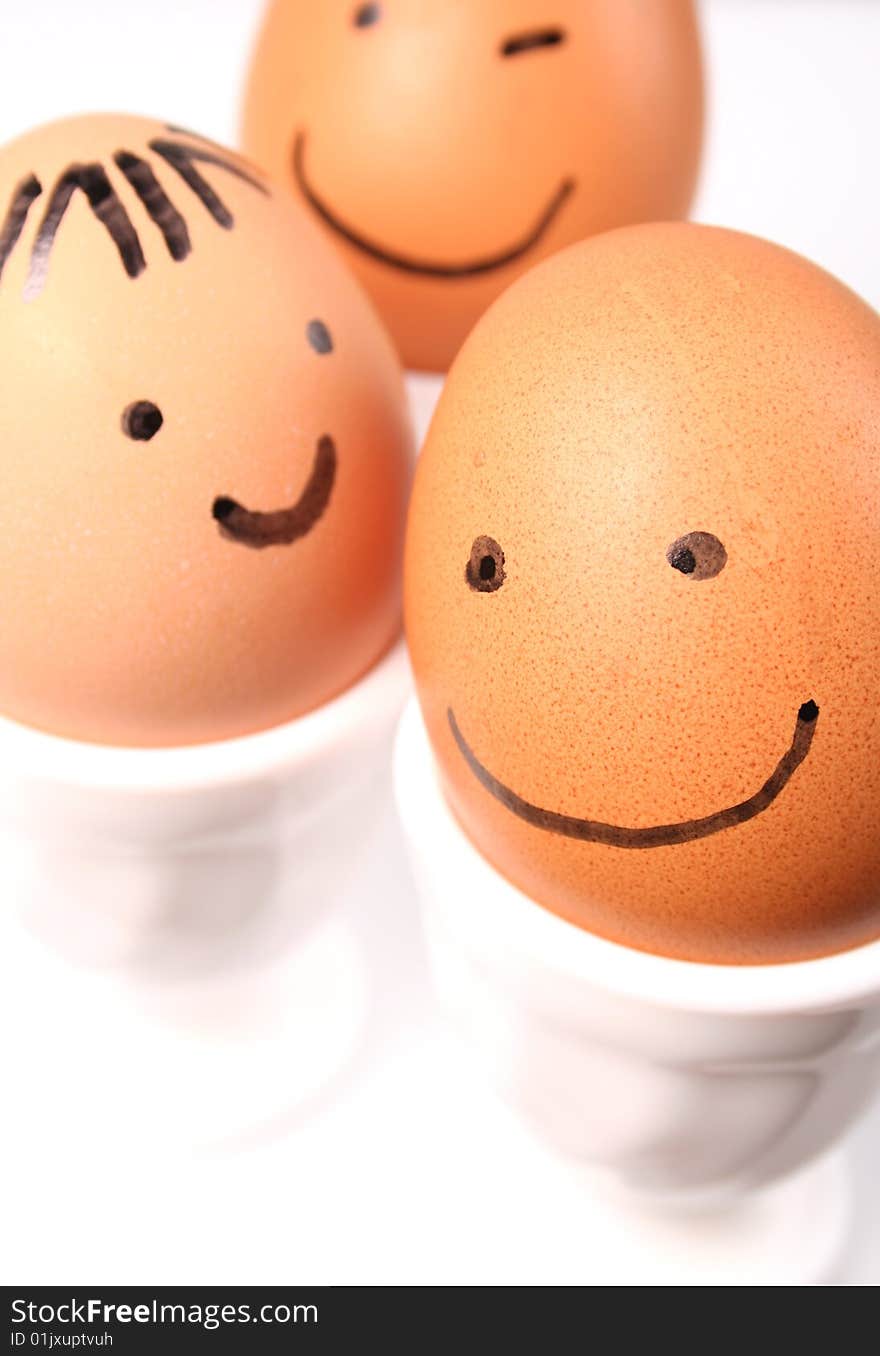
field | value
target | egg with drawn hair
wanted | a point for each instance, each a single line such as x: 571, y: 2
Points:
x: 642, y: 601
x: 203, y: 440
x: 446, y: 148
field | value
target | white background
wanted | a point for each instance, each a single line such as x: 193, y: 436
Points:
x: 409, y: 1171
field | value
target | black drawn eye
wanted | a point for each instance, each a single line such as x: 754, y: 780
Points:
x: 533, y: 41
x: 699, y: 555
x: 141, y: 420
x: 367, y: 15
x: 484, y: 571
x: 319, y: 337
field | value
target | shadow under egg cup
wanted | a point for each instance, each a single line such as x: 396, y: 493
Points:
x: 710, y: 1098
x: 170, y: 914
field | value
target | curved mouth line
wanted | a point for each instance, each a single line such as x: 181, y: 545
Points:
x: 425, y: 267
x: 659, y: 835
x: 281, y: 527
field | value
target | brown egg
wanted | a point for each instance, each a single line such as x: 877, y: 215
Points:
x: 203, y: 444
x: 447, y: 147
x: 642, y: 597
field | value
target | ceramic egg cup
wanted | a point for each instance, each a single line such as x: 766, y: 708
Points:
x: 708, y: 1099
x: 171, y: 917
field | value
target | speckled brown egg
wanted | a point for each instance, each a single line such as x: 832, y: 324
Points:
x: 445, y: 148
x: 203, y: 443
x: 642, y: 599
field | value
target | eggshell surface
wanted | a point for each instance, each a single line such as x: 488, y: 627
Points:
x: 204, y: 447
x: 445, y: 148
x: 642, y: 600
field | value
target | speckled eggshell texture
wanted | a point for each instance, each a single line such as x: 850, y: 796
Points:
x: 446, y: 148
x: 642, y: 595
x: 203, y: 442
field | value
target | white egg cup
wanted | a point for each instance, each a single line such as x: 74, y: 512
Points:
x: 423, y: 391
x: 710, y: 1098
x: 169, y: 919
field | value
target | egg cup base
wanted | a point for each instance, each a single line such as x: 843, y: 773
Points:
x: 795, y: 1232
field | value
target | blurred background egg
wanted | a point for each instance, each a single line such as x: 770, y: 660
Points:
x: 203, y: 443
x: 447, y: 147
x: 642, y: 595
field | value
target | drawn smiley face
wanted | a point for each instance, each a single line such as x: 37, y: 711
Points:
x: 142, y: 420
x: 651, y: 693
x: 445, y: 148
x: 206, y: 454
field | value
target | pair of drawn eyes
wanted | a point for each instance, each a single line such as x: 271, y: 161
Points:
x: 141, y: 420
x: 697, y: 555
x: 365, y: 16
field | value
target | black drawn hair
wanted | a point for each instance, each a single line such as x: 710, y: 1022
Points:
x: 93, y: 181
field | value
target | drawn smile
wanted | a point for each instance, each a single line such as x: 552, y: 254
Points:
x: 659, y: 835
x: 426, y: 267
x: 281, y: 527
